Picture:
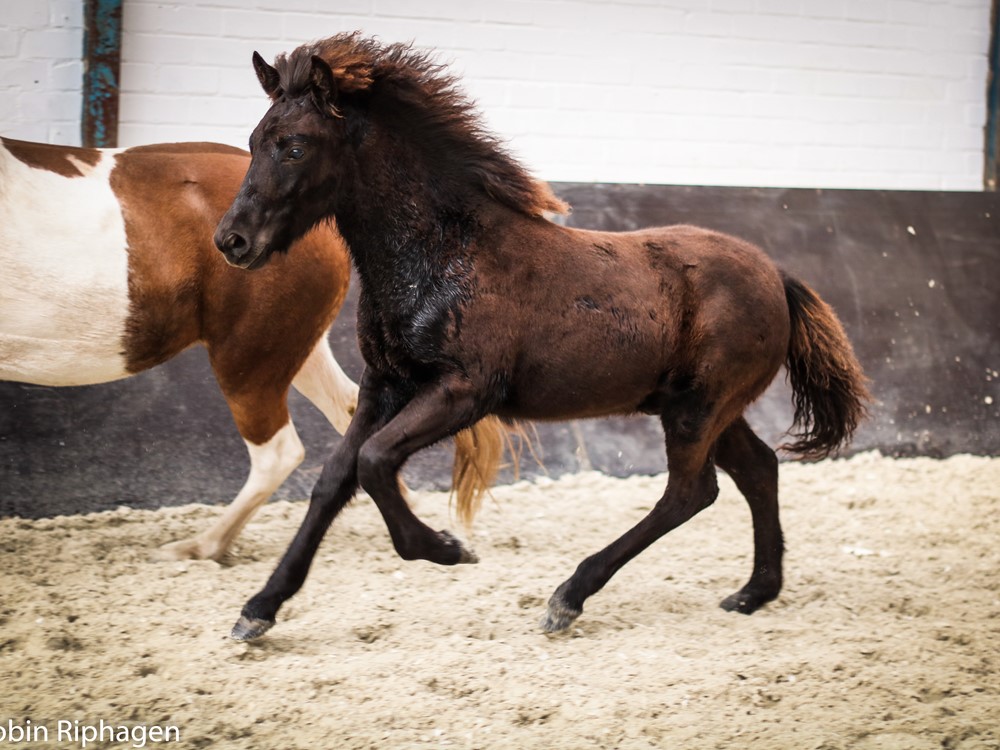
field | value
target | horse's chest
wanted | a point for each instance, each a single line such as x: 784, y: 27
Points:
x: 405, y: 339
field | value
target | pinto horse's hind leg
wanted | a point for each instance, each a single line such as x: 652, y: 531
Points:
x: 691, y: 487
x: 270, y: 464
x: 325, y: 384
x: 754, y: 468
x: 261, y: 415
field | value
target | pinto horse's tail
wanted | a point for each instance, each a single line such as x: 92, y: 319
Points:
x: 829, y: 390
x: 478, y: 454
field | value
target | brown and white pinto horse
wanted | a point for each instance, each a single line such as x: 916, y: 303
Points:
x: 110, y: 269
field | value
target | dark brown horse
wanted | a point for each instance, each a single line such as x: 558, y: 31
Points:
x: 473, y: 303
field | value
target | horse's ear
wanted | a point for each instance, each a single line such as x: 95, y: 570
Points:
x: 324, y: 87
x: 267, y: 75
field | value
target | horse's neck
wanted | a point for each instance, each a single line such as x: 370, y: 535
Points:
x: 400, y: 220
x: 399, y: 259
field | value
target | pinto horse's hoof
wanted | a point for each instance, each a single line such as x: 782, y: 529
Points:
x: 186, y: 549
x: 560, y: 615
x: 249, y: 628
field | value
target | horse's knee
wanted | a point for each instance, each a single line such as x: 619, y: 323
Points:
x: 371, y: 467
x: 706, y: 490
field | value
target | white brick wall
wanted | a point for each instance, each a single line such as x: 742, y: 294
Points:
x: 831, y: 93
x: 40, y: 69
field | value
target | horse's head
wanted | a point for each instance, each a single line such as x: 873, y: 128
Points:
x: 295, y: 163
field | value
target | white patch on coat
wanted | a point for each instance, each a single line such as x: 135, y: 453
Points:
x: 64, y: 260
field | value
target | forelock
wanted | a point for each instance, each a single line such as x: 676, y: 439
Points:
x: 352, y: 60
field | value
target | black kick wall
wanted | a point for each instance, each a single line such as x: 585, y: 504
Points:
x: 913, y: 275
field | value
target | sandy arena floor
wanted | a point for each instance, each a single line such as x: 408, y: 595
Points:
x: 887, y: 635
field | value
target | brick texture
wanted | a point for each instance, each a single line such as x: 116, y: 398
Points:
x: 796, y: 93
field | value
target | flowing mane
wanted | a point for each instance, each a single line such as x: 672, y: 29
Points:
x: 412, y: 81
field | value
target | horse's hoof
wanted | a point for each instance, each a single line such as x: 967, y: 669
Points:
x: 464, y: 555
x: 185, y: 549
x: 559, y: 615
x: 747, y: 601
x: 249, y: 628
x: 189, y: 549
x: 736, y: 603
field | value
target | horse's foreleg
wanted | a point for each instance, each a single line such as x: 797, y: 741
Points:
x: 691, y: 487
x: 437, y: 411
x: 270, y: 465
x: 324, y: 383
x: 754, y: 468
x: 334, y: 489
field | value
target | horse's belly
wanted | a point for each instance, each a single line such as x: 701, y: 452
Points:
x: 597, y: 386
x: 64, y: 333
x: 64, y: 297
x: 58, y: 362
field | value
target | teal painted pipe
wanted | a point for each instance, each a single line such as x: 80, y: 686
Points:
x: 102, y: 40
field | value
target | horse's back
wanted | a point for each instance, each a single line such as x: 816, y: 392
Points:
x: 105, y: 254
x: 628, y: 314
x: 725, y: 278
x: 698, y: 280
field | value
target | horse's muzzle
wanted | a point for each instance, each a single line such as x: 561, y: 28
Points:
x: 237, y: 250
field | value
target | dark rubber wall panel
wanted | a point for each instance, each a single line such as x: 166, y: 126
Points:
x: 913, y: 275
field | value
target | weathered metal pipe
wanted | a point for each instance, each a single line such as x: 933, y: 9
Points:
x: 102, y: 36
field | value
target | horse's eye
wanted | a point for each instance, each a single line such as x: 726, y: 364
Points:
x: 295, y: 153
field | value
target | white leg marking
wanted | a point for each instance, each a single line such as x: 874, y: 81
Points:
x: 270, y: 465
x: 323, y: 382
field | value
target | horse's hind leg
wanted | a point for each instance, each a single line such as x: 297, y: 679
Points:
x: 325, y: 384
x: 275, y: 452
x: 754, y: 468
x: 691, y: 487
x: 261, y: 415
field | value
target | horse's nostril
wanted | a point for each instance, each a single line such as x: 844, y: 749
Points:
x: 235, y: 244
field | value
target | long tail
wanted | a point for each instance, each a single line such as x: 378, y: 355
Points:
x: 478, y: 454
x: 829, y: 390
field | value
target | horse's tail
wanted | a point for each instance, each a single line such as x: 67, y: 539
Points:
x: 829, y: 390
x: 478, y: 454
